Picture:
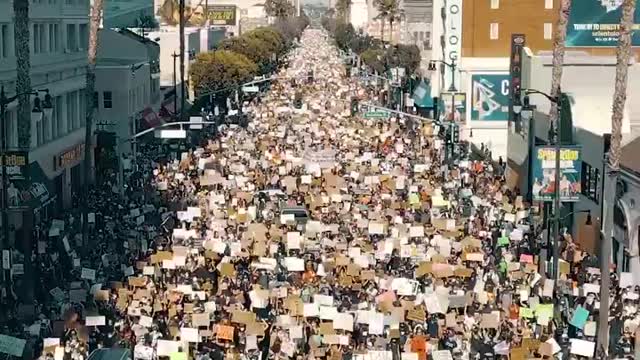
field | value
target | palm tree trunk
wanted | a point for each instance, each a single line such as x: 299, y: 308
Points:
x: 391, y: 31
x: 623, y: 55
x: 382, y: 30
x: 23, y: 86
x: 96, y: 14
x: 559, y: 39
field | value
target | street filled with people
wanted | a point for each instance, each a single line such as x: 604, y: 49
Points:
x: 312, y: 233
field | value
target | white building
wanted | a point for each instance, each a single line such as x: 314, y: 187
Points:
x: 59, y: 39
x: 359, y: 13
x: 125, y: 86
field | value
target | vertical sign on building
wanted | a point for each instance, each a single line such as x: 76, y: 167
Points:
x: 515, y: 71
x: 452, y: 40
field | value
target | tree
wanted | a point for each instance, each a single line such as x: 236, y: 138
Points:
x: 23, y: 86
x: 272, y: 38
x: 559, y: 39
x: 387, y: 10
x: 253, y: 48
x: 279, y: 9
x: 405, y: 56
x: 221, y: 70
x: 373, y: 58
x: 344, y: 35
x: 92, y: 53
x: 343, y: 8
x: 623, y: 55
x: 146, y: 22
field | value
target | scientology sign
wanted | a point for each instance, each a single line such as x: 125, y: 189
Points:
x: 490, y: 97
x: 596, y: 23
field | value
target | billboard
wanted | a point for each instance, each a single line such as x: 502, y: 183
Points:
x: 490, y: 97
x: 458, y: 112
x: 222, y: 15
x: 17, y: 167
x: 544, y: 171
x: 596, y: 23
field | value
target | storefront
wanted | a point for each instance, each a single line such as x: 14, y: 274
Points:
x: 69, y: 162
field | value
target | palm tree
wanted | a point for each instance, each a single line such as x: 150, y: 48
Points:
x: 343, y: 8
x: 395, y: 14
x: 92, y: 52
x: 23, y: 86
x: 387, y: 10
x: 623, y: 55
x: 559, y: 39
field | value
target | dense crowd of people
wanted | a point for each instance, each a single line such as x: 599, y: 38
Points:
x: 315, y: 234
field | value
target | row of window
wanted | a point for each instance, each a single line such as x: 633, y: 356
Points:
x: 69, y: 112
x: 46, y: 38
x: 548, y: 4
x: 494, y: 31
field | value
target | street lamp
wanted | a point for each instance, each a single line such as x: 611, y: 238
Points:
x: 526, y: 111
x: 38, y: 110
x: 452, y: 65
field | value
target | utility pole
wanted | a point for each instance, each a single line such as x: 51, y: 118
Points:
x: 182, y: 54
x: 175, y: 83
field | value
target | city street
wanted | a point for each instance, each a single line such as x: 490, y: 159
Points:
x: 318, y: 231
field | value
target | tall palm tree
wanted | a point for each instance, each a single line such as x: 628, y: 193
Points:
x: 23, y: 86
x: 387, y: 9
x: 343, y: 8
x: 559, y: 39
x: 395, y: 14
x: 92, y: 53
x: 623, y: 55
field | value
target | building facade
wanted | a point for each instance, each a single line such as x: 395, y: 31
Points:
x: 59, y: 33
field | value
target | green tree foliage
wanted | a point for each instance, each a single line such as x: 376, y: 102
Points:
x: 343, y: 8
x: 374, y: 58
x: 344, y: 35
x: 279, y: 8
x: 405, y: 56
x: 253, y: 48
x: 221, y: 69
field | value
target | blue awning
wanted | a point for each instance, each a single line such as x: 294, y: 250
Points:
x: 422, y: 95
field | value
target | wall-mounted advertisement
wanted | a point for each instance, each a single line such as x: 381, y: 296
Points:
x: 596, y: 23
x: 544, y: 173
x: 453, y: 107
x: 222, y: 15
x: 490, y: 97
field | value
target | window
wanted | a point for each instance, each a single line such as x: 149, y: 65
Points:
x: 96, y: 100
x: 39, y: 132
x: 84, y: 36
x: 52, y: 38
x: 5, y: 41
x: 495, y: 4
x: 72, y: 42
x: 72, y: 110
x: 589, y: 182
x: 12, y: 129
x: 548, y: 4
x: 56, y: 29
x: 107, y: 101
x: 548, y: 31
x: 493, y: 31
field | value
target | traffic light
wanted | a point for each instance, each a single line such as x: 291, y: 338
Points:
x: 354, y: 107
x: 455, y: 133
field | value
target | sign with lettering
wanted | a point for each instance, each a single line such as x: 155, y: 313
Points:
x: 490, y: 97
x: 544, y: 173
x: 69, y: 157
x: 596, y: 23
x: 16, y: 165
x: 222, y: 15
x: 452, y: 39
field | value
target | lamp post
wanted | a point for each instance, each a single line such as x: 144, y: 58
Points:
x: 452, y: 89
x: 526, y: 111
x: 39, y: 109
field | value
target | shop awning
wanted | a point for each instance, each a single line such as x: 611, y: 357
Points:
x: 422, y: 95
x: 38, y: 191
x: 151, y: 119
